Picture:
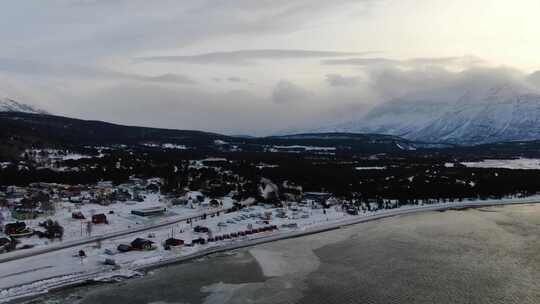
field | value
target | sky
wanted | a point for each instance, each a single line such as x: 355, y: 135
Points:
x: 255, y: 67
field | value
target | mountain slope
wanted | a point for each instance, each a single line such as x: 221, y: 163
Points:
x: 64, y: 130
x: 19, y: 131
x: 483, y: 115
x: 10, y: 105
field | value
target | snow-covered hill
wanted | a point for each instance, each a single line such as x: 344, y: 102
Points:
x: 503, y: 112
x: 10, y: 105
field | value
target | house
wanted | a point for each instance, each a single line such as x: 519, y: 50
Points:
x: 77, y: 215
x: 121, y: 195
x: 179, y: 201
x: 27, y: 208
x: 7, y: 244
x: 138, y: 197
x: 316, y: 197
x: 99, y: 219
x: 142, y: 244
x: 149, y: 211
x: 17, y: 229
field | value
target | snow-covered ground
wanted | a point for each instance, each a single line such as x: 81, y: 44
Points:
x: 118, y: 215
x: 165, y: 146
x: 519, y: 163
x: 371, y: 168
x: 306, y: 148
x: 47, y: 271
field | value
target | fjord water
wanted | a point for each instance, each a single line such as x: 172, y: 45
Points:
x: 488, y: 255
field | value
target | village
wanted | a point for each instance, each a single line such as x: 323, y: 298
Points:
x: 107, y: 214
x: 106, y: 228
x: 43, y: 214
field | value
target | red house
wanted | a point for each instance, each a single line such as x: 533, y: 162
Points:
x: 99, y: 219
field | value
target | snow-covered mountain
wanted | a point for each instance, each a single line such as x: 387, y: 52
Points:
x: 504, y: 112
x: 10, y: 105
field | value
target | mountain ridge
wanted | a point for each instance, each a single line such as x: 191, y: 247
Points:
x: 10, y: 105
x: 503, y: 112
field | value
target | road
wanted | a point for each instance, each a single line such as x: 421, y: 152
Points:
x: 334, y: 226
x: 17, y: 255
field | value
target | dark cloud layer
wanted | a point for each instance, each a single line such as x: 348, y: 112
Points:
x: 249, y: 56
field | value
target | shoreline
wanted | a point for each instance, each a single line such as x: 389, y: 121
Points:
x: 43, y: 287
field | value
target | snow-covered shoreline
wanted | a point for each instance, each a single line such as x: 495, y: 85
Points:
x: 55, y: 283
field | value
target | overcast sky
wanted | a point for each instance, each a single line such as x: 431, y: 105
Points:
x: 253, y: 66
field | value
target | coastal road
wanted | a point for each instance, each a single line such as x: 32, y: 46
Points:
x: 334, y: 225
x: 45, y: 285
x: 17, y: 255
x: 21, y: 254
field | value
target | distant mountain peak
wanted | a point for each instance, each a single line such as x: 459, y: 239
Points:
x: 10, y: 105
x: 457, y: 114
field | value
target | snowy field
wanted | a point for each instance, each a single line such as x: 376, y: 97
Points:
x: 520, y: 163
x: 371, y: 168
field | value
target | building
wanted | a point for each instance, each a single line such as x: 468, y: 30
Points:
x: 17, y: 229
x: 149, y: 211
x: 77, y: 215
x: 316, y: 197
x: 99, y: 219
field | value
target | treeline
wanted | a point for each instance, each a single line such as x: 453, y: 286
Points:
x: 404, y: 179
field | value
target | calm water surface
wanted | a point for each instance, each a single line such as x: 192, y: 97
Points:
x: 489, y: 255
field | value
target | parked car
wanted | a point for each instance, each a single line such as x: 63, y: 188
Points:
x: 201, y: 229
x: 142, y: 244
x: 172, y: 242
x: 124, y: 248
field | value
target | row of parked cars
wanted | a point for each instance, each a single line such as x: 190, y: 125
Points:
x: 233, y: 235
x: 145, y: 244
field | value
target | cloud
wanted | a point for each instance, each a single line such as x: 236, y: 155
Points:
x: 337, y: 80
x: 534, y: 79
x: 458, y: 61
x: 436, y: 83
x: 168, y: 78
x: 245, y: 57
x: 236, y: 79
x: 192, y: 107
x: 69, y: 29
x: 62, y: 56
x: 286, y: 92
x: 361, y: 61
x: 58, y: 70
